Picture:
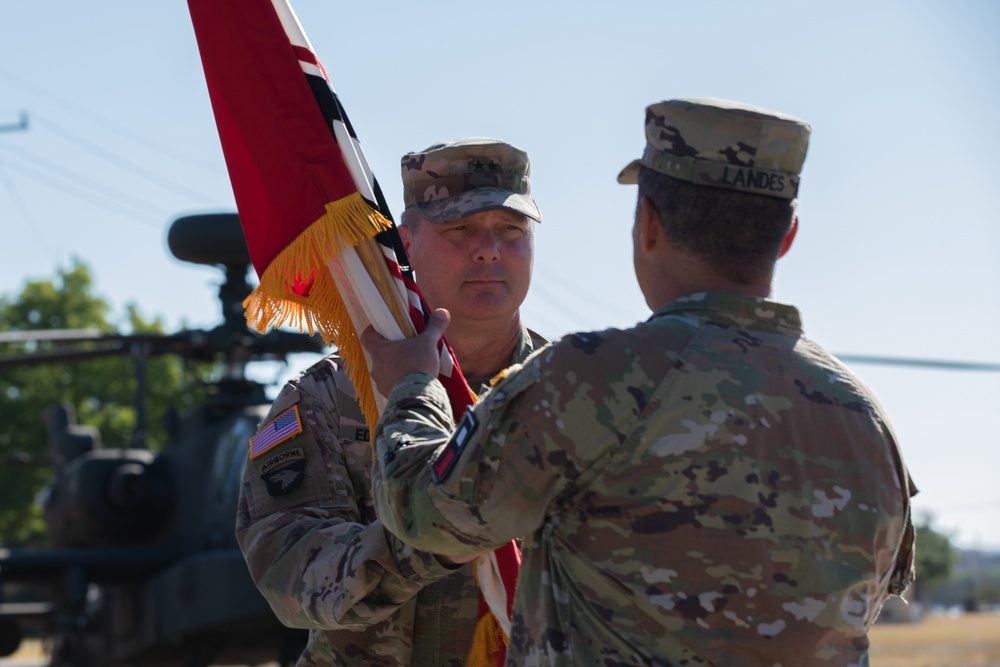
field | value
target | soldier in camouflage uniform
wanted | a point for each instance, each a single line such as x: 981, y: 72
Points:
x: 708, y: 487
x: 306, y: 521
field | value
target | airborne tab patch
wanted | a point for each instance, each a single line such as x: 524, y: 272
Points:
x: 281, y: 428
x: 448, y: 457
x: 284, y: 471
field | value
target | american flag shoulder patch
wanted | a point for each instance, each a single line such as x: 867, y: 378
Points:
x: 448, y: 457
x: 281, y: 428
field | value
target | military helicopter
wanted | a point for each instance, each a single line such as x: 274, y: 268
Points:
x: 143, y: 568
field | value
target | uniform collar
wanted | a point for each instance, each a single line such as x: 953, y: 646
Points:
x: 527, y: 342
x: 736, y: 310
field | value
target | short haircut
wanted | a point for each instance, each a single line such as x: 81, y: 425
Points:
x: 738, y: 234
x: 410, y: 217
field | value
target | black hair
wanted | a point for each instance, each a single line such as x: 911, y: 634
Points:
x: 738, y: 234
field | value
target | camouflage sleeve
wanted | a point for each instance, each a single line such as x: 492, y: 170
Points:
x: 472, y: 490
x: 309, y: 536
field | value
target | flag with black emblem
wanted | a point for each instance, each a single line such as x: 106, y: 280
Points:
x: 320, y: 235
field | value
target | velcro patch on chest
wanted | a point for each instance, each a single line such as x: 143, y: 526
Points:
x: 446, y: 460
x: 284, y: 426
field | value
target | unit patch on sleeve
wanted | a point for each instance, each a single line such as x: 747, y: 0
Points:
x: 446, y: 460
x: 283, y: 470
x: 279, y: 429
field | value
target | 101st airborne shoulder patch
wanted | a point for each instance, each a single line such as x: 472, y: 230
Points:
x: 283, y: 471
x: 446, y: 460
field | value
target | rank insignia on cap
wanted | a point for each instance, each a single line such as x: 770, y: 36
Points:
x: 484, y: 164
x: 279, y: 429
x: 448, y: 457
x: 283, y: 471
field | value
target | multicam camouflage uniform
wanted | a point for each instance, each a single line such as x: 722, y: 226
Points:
x: 306, y: 522
x: 709, y: 487
x: 706, y: 488
x: 307, y: 527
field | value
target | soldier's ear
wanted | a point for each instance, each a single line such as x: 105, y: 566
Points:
x: 786, y: 243
x: 650, y: 229
x: 404, y: 236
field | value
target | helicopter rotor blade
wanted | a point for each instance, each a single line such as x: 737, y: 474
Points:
x: 79, y: 336
x: 59, y: 357
x: 936, y: 364
x: 113, y: 345
x: 68, y: 335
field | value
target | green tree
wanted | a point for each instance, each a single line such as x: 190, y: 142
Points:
x: 935, y: 557
x: 102, y: 390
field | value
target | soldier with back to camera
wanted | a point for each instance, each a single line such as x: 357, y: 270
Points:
x: 708, y: 487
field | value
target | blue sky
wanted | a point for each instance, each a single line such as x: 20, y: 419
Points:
x: 897, y: 254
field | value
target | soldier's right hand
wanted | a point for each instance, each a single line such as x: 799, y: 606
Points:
x: 389, y: 360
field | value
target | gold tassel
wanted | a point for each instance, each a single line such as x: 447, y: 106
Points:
x: 345, y: 223
x: 486, y: 638
x: 486, y: 642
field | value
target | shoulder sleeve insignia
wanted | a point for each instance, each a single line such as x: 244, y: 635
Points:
x: 283, y: 471
x: 448, y: 457
x: 281, y: 428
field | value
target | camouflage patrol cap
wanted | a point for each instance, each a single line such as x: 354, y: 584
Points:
x: 460, y: 177
x: 723, y: 144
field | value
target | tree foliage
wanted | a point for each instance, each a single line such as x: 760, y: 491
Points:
x: 935, y: 556
x: 102, y: 391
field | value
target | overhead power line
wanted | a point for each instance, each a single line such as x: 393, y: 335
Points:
x: 131, y: 136
x: 15, y: 196
x: 81, y: 188
x: 21, y: 124
x: 133, y: 168
x: 68, y: 174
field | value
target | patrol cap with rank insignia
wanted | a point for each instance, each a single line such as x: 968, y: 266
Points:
x: 455, y: 178
x: 723, y: 144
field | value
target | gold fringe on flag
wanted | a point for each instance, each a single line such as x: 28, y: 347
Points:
x: 486, y: 642
x: 486, y: 638
x: 347, y: 222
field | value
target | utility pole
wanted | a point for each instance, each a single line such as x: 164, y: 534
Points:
x: 21, y: 124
